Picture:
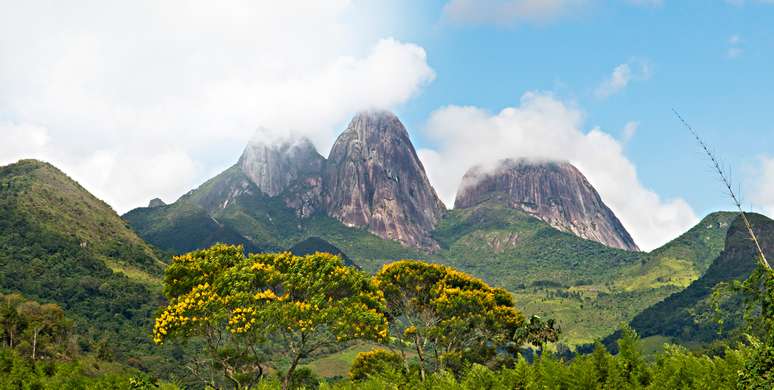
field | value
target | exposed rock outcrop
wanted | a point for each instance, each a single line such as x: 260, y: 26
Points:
x: 555, y: 192
x: 156, y: 202
x: 291, y: 168
x: 374, y: 179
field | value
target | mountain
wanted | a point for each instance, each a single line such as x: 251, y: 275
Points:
x: 555, y: 192
x: 688, y: 316
x: 312, y: 245
x: 183, y: 227
x: 156, y: 202
x: 291, y: 167
x: 377, y: 206
x: 374, y: 179
x: 60, y: 244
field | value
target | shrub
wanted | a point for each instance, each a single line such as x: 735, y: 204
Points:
x: 374, y: 362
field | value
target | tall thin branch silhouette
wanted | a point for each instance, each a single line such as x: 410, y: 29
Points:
x: 727, y: 182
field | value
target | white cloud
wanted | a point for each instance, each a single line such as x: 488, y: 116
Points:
x: 145, y: 98
x: 763, y: 186
x: 22, y: 140
x: 621, y: 76
x: 629, y: 129
x: 504, y: 12
x: 543, y: 127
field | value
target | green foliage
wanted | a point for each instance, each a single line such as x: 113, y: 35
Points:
x: 450, y: 318
x: 375, y: 363
x: 585, y: 286
x: 675, y: 369
x: 38, y: 351
x: 248, y: 309
x: 695, y: 315
x: 35, y: 330
x: 59, y: 244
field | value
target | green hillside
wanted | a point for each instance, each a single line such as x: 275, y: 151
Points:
x: 588, y: 287
x: 688, y: 316
x: 214, y: 213
x: 60, y: 244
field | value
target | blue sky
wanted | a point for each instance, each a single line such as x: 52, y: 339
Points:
x: 727, y: 97
x: 146, y: 99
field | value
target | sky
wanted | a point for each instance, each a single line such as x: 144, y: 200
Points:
x: 144, y: 99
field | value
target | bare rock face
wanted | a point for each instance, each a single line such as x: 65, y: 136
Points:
x: 291, y: 168
x: 156, y: 202
x: 555, y: 192
x: 374, y: 179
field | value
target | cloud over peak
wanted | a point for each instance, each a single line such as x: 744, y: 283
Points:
x: 544, y: 127
x: 179, y: 86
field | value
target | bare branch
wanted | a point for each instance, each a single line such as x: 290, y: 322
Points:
x: 727, y: 182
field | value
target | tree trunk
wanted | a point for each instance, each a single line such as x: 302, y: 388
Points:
x: 34, y: 343
x: 421, y: 357
x: 286, y: 381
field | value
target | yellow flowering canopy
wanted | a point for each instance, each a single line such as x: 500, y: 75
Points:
x: 296, y: 304
x: 449, y: 311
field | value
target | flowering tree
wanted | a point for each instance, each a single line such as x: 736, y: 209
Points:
x: 446, y: 315
x: 250, y: 309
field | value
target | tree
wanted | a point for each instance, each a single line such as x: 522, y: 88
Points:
x: 10, y: 320
x: 378, y: 361
x: 537, y: 332
x: 265, y: 306
x: 47, y: 319
x: 447, y: 316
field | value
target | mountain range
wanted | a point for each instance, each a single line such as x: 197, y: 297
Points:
x: 372, y: 180
x: 536, y: 228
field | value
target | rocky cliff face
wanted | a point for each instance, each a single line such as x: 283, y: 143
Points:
x: 555, y: 192
x: 374, y: 179
x: 291, y: 168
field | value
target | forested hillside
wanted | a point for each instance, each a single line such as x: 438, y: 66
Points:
x: 691, y: 316
x: 59, y: 244
x: 587, y: 287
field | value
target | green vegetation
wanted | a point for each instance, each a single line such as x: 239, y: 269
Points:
x: 675, y: 369
x: 59, y: 244
x: 248, y: 310
x: 39, y: 350
x: 433, y: 309
x: 585, y: 286
x: 691, y: 316
x: 465, y: 334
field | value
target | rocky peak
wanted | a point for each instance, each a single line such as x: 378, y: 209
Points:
x: 555, y: 192
x: 291, y: 168
x: 275, y: 166
x: 374, y: 179
x: 156, y: 202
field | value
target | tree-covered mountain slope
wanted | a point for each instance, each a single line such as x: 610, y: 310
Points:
x: 230, y: 208
x: 312, y: 245
x: 60, y: 244
x: 688, y: 316
x: 588, y: 287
